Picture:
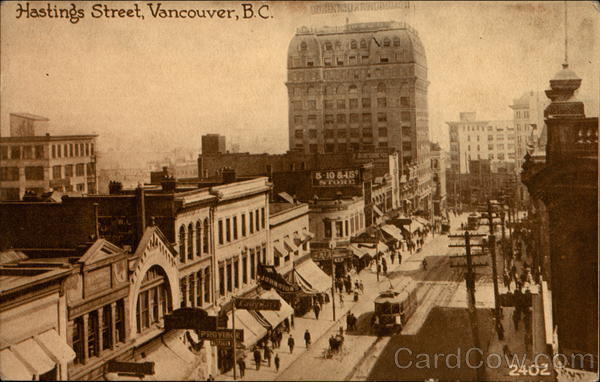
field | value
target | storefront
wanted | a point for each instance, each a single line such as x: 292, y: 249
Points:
x: 342, y: 259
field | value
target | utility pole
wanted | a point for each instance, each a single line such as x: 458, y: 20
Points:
x: 492, y: 247
x: 470, y: 283
x: 331, y: 247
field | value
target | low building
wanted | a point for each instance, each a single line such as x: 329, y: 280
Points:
x: 33, y: 161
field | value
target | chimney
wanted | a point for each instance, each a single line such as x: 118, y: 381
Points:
x: 228, y: 175
x: 115, y: 187
x: 141, y: 210
x: 168, y: 183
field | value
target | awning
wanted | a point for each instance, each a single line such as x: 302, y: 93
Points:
x: 360, y: 252
x: 377, y: 211
x: 34, y: 356
x: 55, y: 346
x: 421, y: 220
x: 279, y: 249
x: 174, y: 341
x: 393, y: 231
x: 253, y: 330
x: 291, y: 246
x: 11, y: 368
x: 303, y: 237
x: 275, y: 317
x: 167, y: 364
x: 311, y: 273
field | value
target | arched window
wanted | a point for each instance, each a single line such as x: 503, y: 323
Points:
x: 396, y: 42
x: 182, y: 244
x: 341, y: 89
x: 366, y: 89
x: 303, y: 45
x: 353, y: 89
x: 338, y: 45
x: 190, y: 242
x: 381, y: 88
x: 310, y: 91
x: 353, y: 44
x: 386, y: 42
x: 206, y: 232
x: 363, y: 44
x: 154, y: 298
x: 328, y: 46
x: 198, y: 239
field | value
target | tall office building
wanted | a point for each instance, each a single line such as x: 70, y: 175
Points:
x: 213, y: 144
x: 360, y: 87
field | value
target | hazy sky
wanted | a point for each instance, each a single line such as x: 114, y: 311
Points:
x: 157, y: 84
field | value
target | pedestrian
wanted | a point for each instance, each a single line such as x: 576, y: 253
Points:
x: 385, y: 269
x: 349, y: 322
x: 399, y: 259
x: 257, y: 357
x: 291, y: 343
x: 242, y: 367
x: 506, y: 350
x: 341, y: 299
x: 268, y: 355
x: 516, y: 318
x: 356, y: 285
x: 424, y: 264
x: 317, y: 310
x: 307, y: 338
x: 362, y: 287
x: 210, y: 378
x: 500, y: 330
x: 506, y: 279
x: 277, y: 362
x: 392, y: 255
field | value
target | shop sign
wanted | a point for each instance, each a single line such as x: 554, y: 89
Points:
x: 221, y: 334
x: 267, y: 275
x: 336, y: 178
x: 257, y: 304
x: 134, y: 368
x: 190, y: 318
x: 222, y: 343
x: 338, y: 257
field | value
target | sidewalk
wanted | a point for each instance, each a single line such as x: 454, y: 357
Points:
x: 322, y: 328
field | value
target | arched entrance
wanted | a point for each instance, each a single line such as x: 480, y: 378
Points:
x: 154, y: 299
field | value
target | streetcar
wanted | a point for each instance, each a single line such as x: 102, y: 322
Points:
x: 393, y: 308
x: 473, y: 222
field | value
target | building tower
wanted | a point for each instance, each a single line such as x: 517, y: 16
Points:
x: 360, y: 87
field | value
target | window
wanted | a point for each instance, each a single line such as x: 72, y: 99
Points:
x: 405, y: 116
x: 490, y: 137
x: 354, y: 133
x: 228, y: 229
x: 328, y: 46
x: 199, y: 285
x: 312, y: 104
x: 363, y: 44
x: 252, y: 266
x: 34, y: 173
x: 341, y: 103
x: 341, y: 133
x: 383, y: 132
x: 491, y: 156
x: 353, y: 44
x: 221, y: 280
x: 367, y: 133
x: 339, y: 229
x: 53, y: 152
x: 297, y: 105
x: 327, y: 225
x: 245, y: 270
x: 396, y: 42
x: 257, y: 221
x: 93, y: 334
x: 340, y: 61
x: 386, y: 42
x: 312, y: 133
x: 220, y: 232
x: 353, y: 103
x: 4, y: 152
x: 468, y: 138
x: 328, y: 104
x: 79, y: 171
x: 478, y: 138
x: 366, y: 103
x: 235, y: 228
x: 381, y: 117
x: 526, y: 114
x: 366, y: 118
x: 206, y: 233
x: 77, y: 339
x: 182, y: 244
x: 251, y: 222
x: 236, y: 274
x: 313, y: 148
x: 329, y: 119
x: 381, y: 102
x: 27, y: 152
x: 518, y: 114
x: 69, y: 170
x: 87, y: 149
x: 9, y: 173
x: 384, y: 59
x: 341, y: 118
x: 500, y: 156
x: 207, y: 285
x: 15, y: 152
x: 298, y: 119
x: 303, y: 45
x: 354, y: 146
x: 262, y: 217
x: 342, y: 147
x: 198, y: 239
x: 354, y: 118
x: 312, y: 119
x: 490, y: 147
x: 381, y: 88
x: 190, y: 242
x: 501, y: 147
x: 327, y: 61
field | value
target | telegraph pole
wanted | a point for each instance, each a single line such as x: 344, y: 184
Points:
x: 470, y: 283
x: 492, y: 246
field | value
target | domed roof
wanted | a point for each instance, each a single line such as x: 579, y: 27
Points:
x: 565, y: 74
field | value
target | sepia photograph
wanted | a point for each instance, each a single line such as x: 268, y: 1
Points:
x: 363, y: 190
